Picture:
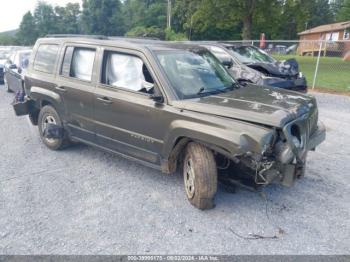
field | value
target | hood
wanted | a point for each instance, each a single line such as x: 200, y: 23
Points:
x: 243, y: 72
x: 256, y: 104
x: 280, y: 68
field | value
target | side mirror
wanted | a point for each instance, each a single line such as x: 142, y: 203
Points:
x: 19, y: 70
x: 227, y: 62
x: 157, y: 96
x: 13, y: 66
x: 159, y: 99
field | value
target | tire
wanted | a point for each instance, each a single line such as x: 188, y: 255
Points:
x: 48, y: 114
x: 200, y: 176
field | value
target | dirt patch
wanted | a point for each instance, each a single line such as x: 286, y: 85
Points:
x: 328, y: 91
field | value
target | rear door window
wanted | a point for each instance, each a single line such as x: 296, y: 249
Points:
x: 78, y: 63
x: 45, y: 58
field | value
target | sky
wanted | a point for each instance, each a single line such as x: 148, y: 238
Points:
x: 12, y: 11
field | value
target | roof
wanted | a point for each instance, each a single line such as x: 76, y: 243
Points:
x: 327, y: 28
x: 138, y: 44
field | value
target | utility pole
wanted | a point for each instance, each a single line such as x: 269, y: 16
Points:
x: 169, y: 15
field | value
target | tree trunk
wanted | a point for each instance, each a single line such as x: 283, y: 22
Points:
x: 247, y: 20
x: 247, y: 27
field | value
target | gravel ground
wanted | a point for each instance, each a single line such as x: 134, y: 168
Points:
x: 84, y: 201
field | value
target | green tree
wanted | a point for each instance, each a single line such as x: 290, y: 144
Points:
x: 320, y: 13
x: 68, y: 18
x: 27, y: 33
x: 6, y: 39
x: 145, y: 14
x: 45, y: 19
x: 102, y: 17
x: 344, y: 11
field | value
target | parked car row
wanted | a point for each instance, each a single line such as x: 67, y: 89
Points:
x: 13, y: 64
x: 171, y: 106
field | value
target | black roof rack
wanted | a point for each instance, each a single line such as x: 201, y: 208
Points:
x: 101, y: 37
x: 135, y: 38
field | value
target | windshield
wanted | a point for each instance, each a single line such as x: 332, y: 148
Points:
x: 195, y: 73
x: 251, y: 54
x: 24, y: 59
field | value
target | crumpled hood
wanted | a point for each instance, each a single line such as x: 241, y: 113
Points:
x: 252, y: 103
x: 280, y: 68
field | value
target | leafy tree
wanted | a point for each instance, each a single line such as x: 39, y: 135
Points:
x: 68, y: 18
x: 335, y: 6
x: 320, y: 13
x: 102, y: 17
x: 152, y: 32
x: 27, y: 33
x: 6, y: 39
x: 45, y: 19
x: 344, y: 11
x: 171, y: 35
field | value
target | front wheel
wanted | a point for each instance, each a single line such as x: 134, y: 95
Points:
x: 200, y: 176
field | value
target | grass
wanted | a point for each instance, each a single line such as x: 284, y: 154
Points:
x: 333, y: 74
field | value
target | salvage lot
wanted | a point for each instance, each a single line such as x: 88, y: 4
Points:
x: 84, y: 201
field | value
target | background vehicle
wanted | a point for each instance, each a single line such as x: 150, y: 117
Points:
x: 4, y: 55
x: 261, y: 61
x: 168, y: 105
x: 15, y: 70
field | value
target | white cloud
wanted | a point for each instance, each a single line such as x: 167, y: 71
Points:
x: 12, y: 11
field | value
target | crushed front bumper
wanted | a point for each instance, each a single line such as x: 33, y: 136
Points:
x: 276, y: 172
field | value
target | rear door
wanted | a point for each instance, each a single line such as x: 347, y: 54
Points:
x: 76, y: 85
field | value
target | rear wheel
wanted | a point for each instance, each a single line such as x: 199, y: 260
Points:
x: 200, y: 176
x: 48, y: 115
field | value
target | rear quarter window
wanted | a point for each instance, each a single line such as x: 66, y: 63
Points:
x: 45, y: 58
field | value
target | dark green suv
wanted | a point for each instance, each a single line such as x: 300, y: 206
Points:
x: 168, y: 105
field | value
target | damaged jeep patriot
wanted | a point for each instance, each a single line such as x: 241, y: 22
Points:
x: 169, y: 106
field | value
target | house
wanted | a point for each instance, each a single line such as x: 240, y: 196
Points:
x: 336, y: 40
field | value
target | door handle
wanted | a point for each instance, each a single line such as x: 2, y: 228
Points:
x: 60, y: 89
x: 105, y: 100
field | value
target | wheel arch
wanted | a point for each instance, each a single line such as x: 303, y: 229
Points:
x: 174, y: 150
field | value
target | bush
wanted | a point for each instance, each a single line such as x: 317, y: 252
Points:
x: 141, y: 31
x: 171, y: 35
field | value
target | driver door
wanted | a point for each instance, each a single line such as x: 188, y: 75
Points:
x: 127, y: 120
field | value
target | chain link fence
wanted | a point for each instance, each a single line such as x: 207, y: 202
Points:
x: 326, y: 64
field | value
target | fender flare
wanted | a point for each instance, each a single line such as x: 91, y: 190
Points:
x: 182, y: 132
x: 39, y: 95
